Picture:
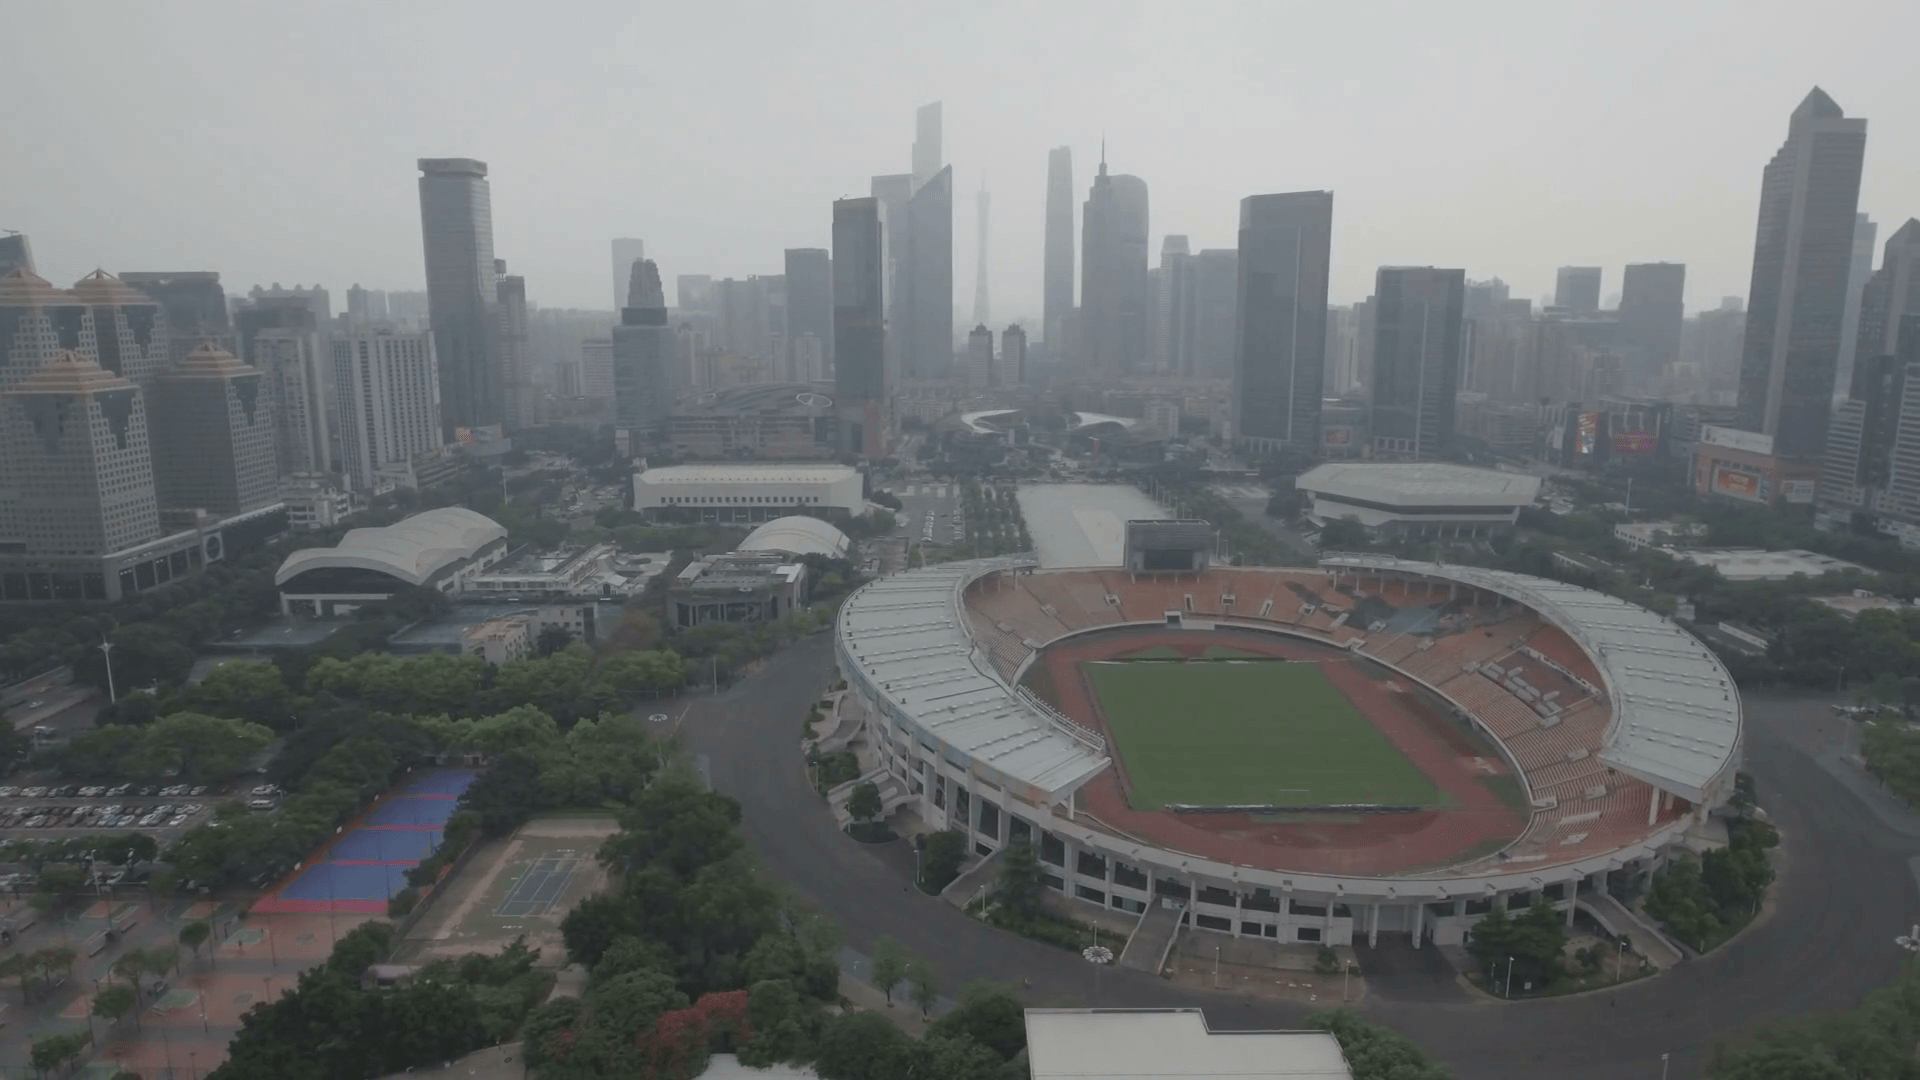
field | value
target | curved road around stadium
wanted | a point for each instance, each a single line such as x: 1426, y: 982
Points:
x: 1847, y: 889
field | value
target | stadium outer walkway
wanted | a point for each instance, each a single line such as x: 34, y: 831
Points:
x: 1846, y: 891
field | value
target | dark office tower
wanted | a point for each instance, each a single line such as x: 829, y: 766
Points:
x: 929, y: 301
x: 130, y: 332
x: 626, y: 251
x: 1280, y: 345
x: 1113, y: 275
x: 196, y: 308
x: 981, y: 306
x: 643, y: 355
x: 1858, y: 271
x: 1013, y: 355
x: 927, y: 156
x: 1216, y: 285
x: 862, y: 382
x: 895, y: 192
x: 1173, y: 314
x: 213, y: 438
x: 1802, y: 255
x: 809, y: 309
x: 1057, y: 271
x: 1652, y: 309
x: 1889, y: 295
x: 979, y: 373
x: 15, y: 254
x: 1577, y: 288
x: 456, y: 229
x: 1416, y: 358
x: 515, y: 357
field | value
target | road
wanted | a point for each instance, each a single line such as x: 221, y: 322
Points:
x: 1846, y: 891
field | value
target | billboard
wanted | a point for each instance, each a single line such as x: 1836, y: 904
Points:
x: 1635, y: 443
x: 1737, y: 484
x: 1753, y: 442
x: 1588, y: 435
x: 1797, y: 491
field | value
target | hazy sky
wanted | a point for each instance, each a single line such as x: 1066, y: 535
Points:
x: 276, y: 142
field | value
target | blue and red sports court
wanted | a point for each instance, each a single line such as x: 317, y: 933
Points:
x: 367, y: 864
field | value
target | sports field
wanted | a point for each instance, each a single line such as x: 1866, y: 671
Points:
x: 1223, y: 733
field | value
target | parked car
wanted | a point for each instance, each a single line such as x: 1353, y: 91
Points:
x: 261, y: 804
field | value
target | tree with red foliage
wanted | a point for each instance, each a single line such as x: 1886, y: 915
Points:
x: 679, y: 1043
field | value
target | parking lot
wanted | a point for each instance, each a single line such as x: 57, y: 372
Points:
x: 98, y: 807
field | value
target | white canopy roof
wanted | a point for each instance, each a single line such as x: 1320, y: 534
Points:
x: 798, y: 534
x: 412, y: 550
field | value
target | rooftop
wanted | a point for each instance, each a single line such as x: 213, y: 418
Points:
x: 1420, y: 483
x: 797, y: 534
x: 1116, y: 1044
x: 1676, y: 713
x: 1753, y: 564
x: 748, y: 474
x: 907, y: 635
x: 412, y: 550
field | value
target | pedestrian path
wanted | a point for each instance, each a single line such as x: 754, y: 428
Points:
x: 1147, y: 947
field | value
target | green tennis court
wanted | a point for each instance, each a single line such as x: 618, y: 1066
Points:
x: 1213, y: 734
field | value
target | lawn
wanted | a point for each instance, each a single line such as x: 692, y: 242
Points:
x: 1214, y: 734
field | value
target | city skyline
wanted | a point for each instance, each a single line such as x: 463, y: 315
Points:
x: 1572, y: 184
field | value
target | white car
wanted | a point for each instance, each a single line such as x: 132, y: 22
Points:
x: 6, y: 790
x: 92, y: 792
x: 33, y: 792
x: 260, y: 804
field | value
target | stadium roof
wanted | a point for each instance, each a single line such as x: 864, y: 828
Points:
x: 1676, y: 712
x: 907, y: 636
x: 412, y: 550
x: 1071, y: 1044
x: 797, y: 534
x: 747, y: 474
x: 1420, y: 484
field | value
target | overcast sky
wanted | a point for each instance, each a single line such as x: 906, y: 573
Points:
x: 276, y: 142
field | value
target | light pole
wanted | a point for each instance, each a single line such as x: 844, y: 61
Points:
x: 1509, y: 978
x: 106, y: 655
x: 1663, y: 1067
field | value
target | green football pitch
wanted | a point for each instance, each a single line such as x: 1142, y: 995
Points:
x: 1214, y: 734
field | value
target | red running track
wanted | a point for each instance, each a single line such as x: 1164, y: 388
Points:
x: 1380, y: 844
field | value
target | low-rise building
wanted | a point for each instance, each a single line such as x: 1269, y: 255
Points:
x: 1640, y: 535
x: 313, y: 502
x: 1753, y: 564
x: 1428, y: 500
x: 437, y: 549
x: 748, y: 492
x: 1120, y: 1044
x: 1740, y: 465
x: 499, y: 640
x: 737, y: 588
x: 583, y: 574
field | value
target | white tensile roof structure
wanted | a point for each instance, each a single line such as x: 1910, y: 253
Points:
x: 1420, y: 484
x: 412, y: 550
x: 798, y: 534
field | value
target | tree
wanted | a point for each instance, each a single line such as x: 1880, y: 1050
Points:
x: 1374, y: 1052
x: 940, y: 862
x: 1019, y: 886
x: 57, y: 1050
x: 552, y: 639
x: 863, y: 803
x: 114, y: 1002
x: 628, y: 1004
x: 989, y: 1014
x: 888, y: 965
x: 1532, y: 944
x: 863, y: 1046
x: 923, y: 984
x: 195, y: 934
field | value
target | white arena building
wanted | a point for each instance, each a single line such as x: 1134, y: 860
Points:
x: 1424, y: 499
x: 1619, y: 730
x: 748, y: 492
x: 437, y: 549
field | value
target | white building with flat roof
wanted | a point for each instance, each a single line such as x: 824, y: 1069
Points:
x: 1161, y: 1044
x: 1753, y: 564
x: 748, y: 492
x: 1429, y: 500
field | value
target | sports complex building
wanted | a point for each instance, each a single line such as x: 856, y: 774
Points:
x: 1371, y: 746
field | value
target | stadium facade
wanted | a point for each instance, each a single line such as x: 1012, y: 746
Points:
x: 1620, y: 766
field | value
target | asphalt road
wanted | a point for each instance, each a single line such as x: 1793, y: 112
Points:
x: 1846, y: 891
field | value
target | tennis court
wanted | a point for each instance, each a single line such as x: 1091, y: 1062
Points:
x: 539, y: 887
x: 368, y: 864
x: 385, y: 845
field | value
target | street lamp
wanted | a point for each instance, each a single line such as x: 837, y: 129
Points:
x: 106, y: 654
x: 1509, y: 978
x: 1663, y: 1067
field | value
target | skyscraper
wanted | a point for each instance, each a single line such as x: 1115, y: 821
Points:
x: 928, y: 305
x: 1652, y: 309
x: 927, y: 156
x: 196, y: 308
x: 1113, y: 275
x: 388, y: 388
x: 295, y: 383
x: 78, y: 462
x: 1173, y: 315
x: 1416, y: 359
x: 1858, y: 272
x: 627, y: 250
x: 980, y: 358
x: 15, y: 253
x: 1577, y: 288
x: 643, y: 355
x: 212, y: 434
x: 1013, y: 355
x: 981, y: 307
x: 1280, y: 343
x: 1216, y: 285
x: 1058, y: 267
x: 516, y: 361
x: 1802, y: 254
x: 1888, y: 296
x: 130, y: 332
x: 809, y: 310
x: 863, y: 384
x: 456, y: 228
x: 895, y: 192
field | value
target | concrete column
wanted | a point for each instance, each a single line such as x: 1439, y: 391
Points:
x: 1239, y: 905
x: 1459, y: 907
x: 1373, y: 925
x: 1653, y: 805
x: 1419, y: 921
x: 1573, y: 898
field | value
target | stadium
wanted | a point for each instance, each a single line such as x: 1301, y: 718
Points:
x: 1370, y: 747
